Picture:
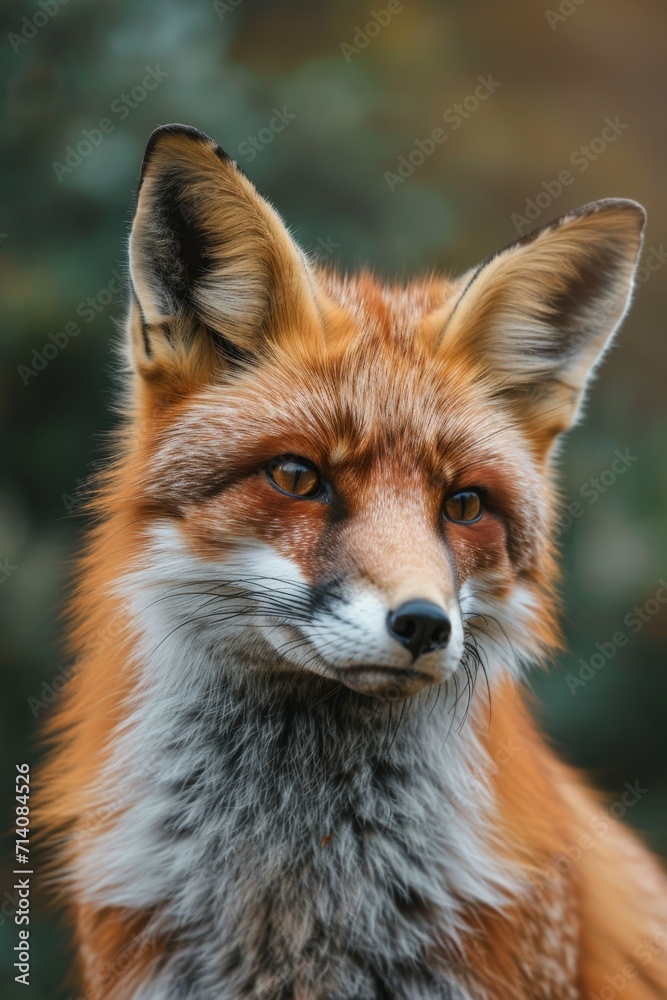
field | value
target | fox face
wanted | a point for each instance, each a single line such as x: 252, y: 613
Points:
x: 338, y: 479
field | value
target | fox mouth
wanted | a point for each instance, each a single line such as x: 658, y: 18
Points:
x: 389, y: 683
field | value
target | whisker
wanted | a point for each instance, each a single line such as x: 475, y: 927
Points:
x: 438, y: 689
x: 456, y: 695
x: 398, y: 726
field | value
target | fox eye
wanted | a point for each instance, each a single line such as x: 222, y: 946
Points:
x: 296, y: 476
x: 463, y: 507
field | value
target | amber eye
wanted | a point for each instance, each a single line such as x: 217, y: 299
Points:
x: 464, y: 507
x: 296, y: 476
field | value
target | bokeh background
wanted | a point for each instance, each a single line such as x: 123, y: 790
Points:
x: 355, y: 100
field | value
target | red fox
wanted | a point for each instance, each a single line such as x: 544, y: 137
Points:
x: 294, y: 761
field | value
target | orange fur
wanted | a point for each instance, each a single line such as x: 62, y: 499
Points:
x: 334, y: 351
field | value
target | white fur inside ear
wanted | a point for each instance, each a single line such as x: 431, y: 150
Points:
x: 538, y: 317
x: 235, y: 299
x: 207, y: 249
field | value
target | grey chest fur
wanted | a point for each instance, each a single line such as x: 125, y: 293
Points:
x: 310, y: 850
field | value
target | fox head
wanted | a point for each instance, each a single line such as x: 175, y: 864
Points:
x: 342, y: 479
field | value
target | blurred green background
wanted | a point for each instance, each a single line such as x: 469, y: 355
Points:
x: 360, y: 97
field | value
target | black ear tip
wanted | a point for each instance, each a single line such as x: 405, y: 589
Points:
x: 188, y: 131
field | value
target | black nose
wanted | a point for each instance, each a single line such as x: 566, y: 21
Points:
x: 420, y: 626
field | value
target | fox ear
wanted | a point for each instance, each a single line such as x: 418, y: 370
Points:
x: 533, y: 321
x: 215, y: 274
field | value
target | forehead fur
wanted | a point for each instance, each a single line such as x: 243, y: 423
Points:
x: 376, y: 381
x: 373, y: 400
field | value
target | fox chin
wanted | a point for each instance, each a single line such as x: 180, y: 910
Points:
x: 295, y: 761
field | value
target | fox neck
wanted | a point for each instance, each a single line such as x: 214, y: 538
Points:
x: 303, y: 820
